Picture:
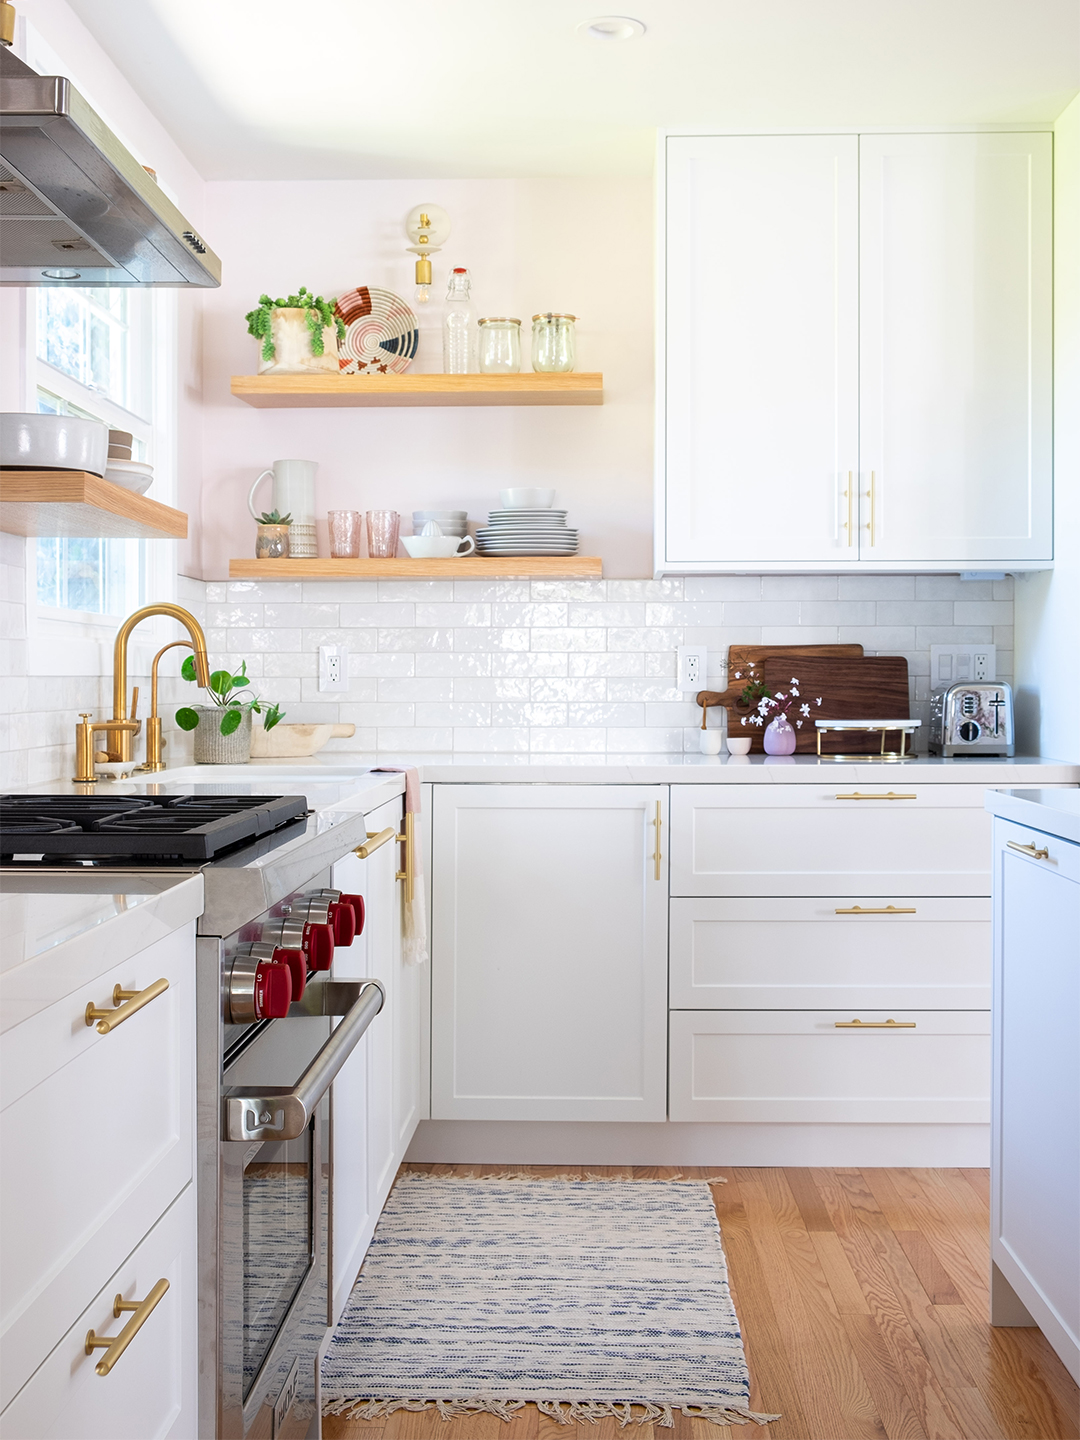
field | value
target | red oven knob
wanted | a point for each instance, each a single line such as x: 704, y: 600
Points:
x: 273, y: 990
x: 343, y: 919
x: 357, y: 903
x: 295, y: 961
x: 319, y: 944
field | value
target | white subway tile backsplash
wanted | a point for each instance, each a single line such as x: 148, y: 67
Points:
x: 544, y: 713
x: 506, y: 592
x: 504, y: 687
x: 395, y: 613
x: 416, y: 689
x: 799, y: 587
x: 566, y: 741
x: 550, y: 614
x: 614, y: 662
x: 455, y: 612
x: 982, y: 612
x: 428, y: 592
x: 876, y: 587
x: 582, y: 688
x: 722, y: 587
x: 623, y: 714
x: 281, y: 592
x: 491, y: 640
x: 441, y: 663
x: 567, y: 639
x: 568, y: 590
x: 341, y: 592
x: 532, y: 663
x: 456, y: 713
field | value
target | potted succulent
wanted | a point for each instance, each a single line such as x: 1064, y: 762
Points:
x: 223, y: 729
x: 298, y: 333
x: 272, y: 536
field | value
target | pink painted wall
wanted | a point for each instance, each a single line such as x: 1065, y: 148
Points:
x: 583, y: 246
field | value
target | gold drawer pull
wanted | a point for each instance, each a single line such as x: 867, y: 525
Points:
x: 407, y: 838
x: 375, y: 839
x: 115, y: 1345
x: 874, y: 1024
x: 878, y: 910
x: 1032, y: 850
x: 127, y: 1002
x: 891, y: 795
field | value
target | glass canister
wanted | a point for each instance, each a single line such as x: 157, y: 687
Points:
x: 500, y: 345
x: 553, y: 343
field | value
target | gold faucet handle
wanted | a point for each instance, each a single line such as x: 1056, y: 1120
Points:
x: 87, y: 717
x: 134, y: 702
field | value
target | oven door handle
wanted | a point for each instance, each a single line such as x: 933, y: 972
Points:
x: 278, y: 1112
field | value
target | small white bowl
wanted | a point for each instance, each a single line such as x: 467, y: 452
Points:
x: 437, y: 547
x: 130, y: 475
x: 739, y: 744
x: 527, y: 499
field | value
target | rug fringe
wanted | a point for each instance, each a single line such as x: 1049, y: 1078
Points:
x: 570, y: 1179
x: 563, y: 1412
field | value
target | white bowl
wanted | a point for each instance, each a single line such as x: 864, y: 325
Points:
x: 53, y: 442
x: 527, y: 499
x: 437, y: 547
x: 739, y: 744
x: 130, y: 475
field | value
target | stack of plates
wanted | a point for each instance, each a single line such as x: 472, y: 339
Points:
x: 526, y: 532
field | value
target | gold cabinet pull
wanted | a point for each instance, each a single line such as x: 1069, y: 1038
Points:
x: 889, y: 795
x: 375, y: 840
x: 115, y: 1345
x: 126, y: 1003
x: 407, y: 837
x: 1032, y: 850
x: 873, y: 503
x: 658, y: 822
x: 877, y: 910
x: 874, y: 1024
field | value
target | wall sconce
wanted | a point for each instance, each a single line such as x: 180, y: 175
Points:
x: 428, y: 227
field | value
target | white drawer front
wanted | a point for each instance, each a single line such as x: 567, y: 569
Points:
x: 97, y: 1132
x: 801, y: 954
x: 829, y: 839
x: 150, y: 1392
x: 795, y: 1066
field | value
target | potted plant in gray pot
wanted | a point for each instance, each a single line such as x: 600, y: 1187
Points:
x: 223, y: 728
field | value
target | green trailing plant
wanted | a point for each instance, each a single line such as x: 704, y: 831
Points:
x: 754, y: 691
x: 319, y: 314
x: 224, y: 685
x: 271, y: 517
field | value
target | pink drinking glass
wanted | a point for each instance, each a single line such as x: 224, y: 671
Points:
x: 382, y: 533
x: 344, y: 527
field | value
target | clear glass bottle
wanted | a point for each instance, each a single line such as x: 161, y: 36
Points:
x: 459, y: 327
x: 553, y: 343
x: 500, y: 345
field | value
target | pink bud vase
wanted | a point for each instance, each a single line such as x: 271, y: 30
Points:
x: 779, y: 737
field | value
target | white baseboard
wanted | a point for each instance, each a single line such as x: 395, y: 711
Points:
x: 541, y: 1142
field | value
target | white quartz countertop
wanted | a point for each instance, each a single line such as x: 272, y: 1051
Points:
x: 59, y: 933
x: 1054, y: 812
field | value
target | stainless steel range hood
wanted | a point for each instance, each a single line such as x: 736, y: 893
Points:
x: 75, y: 206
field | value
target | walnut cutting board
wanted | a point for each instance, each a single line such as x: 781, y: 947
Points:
x: 741, y: 656
x: 874, y: 687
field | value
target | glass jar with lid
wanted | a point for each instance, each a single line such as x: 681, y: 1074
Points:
x: 553, y: 343
x: 500, y: 345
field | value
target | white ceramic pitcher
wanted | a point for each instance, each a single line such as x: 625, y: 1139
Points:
x: 293, y: 494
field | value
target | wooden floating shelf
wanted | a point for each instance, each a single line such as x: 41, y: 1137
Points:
x: 468, y: 567
x: 271, y: 391
x: 78, y: 505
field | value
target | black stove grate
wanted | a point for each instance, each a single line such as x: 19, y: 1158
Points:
x: 185, y: 827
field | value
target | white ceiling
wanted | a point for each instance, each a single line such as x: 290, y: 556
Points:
x: 270, y: 89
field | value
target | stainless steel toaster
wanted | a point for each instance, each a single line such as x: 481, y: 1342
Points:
x: 972, y: 718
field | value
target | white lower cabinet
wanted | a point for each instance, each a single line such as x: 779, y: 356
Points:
x: 549, y: 948
x: 776, y: 1066
x: 150, y: 1393
x: 375, y: 1100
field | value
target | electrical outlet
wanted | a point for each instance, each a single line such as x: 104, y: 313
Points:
x: 693, y: 666
x: 950, y: 664
x: 333, y: 667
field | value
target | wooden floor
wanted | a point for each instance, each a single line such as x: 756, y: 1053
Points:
x: 862, y: 1296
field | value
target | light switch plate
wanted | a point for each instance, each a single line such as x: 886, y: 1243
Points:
x: 950, y: 664
x: 333, y: 667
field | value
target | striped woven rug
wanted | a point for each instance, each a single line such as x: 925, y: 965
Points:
x: 585, y: 1298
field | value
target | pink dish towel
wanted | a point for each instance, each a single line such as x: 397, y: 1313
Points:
x: 414, y: 931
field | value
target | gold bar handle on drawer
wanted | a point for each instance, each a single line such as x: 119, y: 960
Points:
x: 877, y: 910
x: 657, y: 856
x: 407, y: 837
x: 1032, y: 850
x: 115, y: 1345
x: 127, y: 1002
x: 889, y: 795
x: 375, y: 840
x: 874, y: 1024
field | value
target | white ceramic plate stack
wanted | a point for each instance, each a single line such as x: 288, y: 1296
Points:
x: 526, y: 532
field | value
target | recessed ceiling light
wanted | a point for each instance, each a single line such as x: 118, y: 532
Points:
x: 612, y: 27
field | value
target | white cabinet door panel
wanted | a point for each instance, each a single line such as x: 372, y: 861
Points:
x: 956, y: 346
x: 759, y: 389
x: 820, y: 840
x: 150, y: 1393
x: 800, y: 954
x: 549, y: 949
x: 796, y: 1067
x: 109, y: 1123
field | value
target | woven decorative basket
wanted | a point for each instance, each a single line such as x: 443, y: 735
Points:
x: 213, y: 748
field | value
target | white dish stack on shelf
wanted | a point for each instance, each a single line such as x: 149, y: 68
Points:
x: 526, y: 525
x: 121, y: 470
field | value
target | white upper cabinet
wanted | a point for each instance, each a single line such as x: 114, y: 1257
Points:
x: 762, y: 350
x: 855, y: 353
x: 955, y: 266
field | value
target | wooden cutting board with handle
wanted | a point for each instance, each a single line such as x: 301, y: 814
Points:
x: 874, y: 687
x: 740, y: 657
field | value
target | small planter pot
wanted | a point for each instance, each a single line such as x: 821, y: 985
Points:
x: 292, y: 345
x: 213, y: 748
x: 272, y: 542
x: 779, y: 738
